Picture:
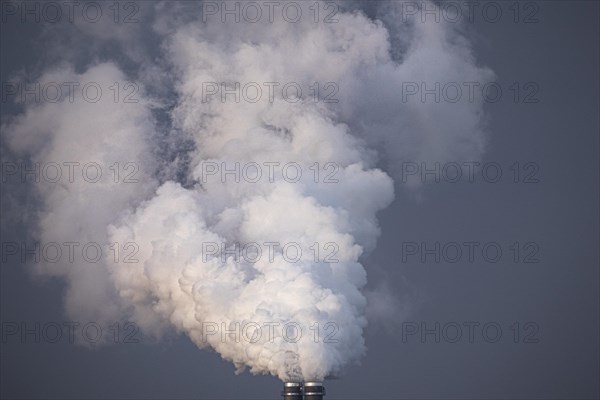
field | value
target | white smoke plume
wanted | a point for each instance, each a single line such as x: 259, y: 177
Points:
x: 173, y: 210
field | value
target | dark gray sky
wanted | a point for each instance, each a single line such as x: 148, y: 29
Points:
x: 553, y: 304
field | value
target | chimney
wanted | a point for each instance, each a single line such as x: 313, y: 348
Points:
x: 314, y: 391
x: 292, y: 391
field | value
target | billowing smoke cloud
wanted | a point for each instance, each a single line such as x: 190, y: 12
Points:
x: 178, y: 205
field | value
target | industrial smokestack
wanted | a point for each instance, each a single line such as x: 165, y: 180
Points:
x: 292, y: 391
x: 314, y: 391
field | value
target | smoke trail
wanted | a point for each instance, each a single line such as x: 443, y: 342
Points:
x: 176, y: 283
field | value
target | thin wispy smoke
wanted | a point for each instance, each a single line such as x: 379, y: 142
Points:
x: 175, y: 130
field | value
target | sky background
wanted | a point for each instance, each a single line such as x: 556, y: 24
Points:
x: 559, y: 294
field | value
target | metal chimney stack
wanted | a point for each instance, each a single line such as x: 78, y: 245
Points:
x: 292, y: 391
x: 298, y: 391
x: 314, y: 391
